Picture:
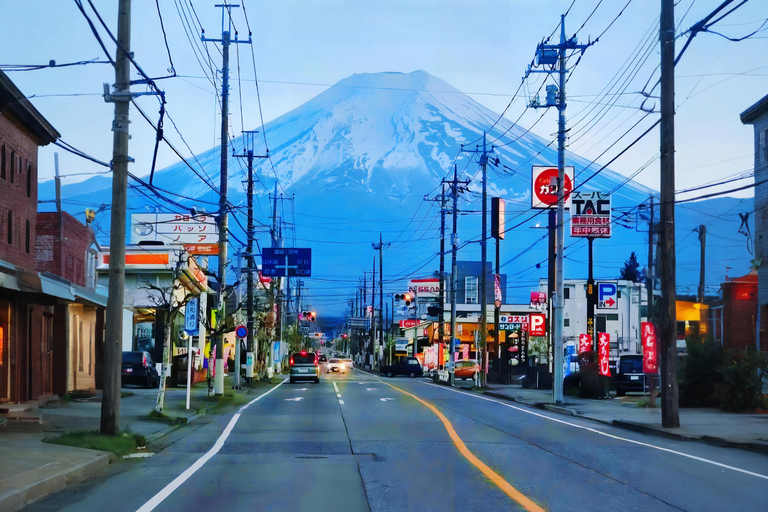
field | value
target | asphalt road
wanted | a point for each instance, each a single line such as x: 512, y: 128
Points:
x: 358, y: 442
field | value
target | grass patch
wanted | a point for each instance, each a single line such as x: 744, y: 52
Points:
x: 161, y: 416
x: 123, y: 444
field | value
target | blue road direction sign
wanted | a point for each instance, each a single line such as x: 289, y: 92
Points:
x: 286, y: 262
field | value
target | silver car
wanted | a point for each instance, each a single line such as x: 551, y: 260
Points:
x: 335, y: 365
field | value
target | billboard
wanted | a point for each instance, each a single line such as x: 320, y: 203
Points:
x: 199, y: 234
x: 591, y: 214
x: 544, y: 186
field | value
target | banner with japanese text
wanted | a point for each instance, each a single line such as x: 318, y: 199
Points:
x: 650, y: 355
x: 603, y: 348
x: 585, y: 343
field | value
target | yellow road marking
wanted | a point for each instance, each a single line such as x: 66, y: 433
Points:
x: 505, y: 486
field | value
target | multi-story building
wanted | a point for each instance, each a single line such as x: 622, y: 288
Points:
x: 757, y: 116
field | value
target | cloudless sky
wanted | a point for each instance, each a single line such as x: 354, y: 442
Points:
x: 301, y: 47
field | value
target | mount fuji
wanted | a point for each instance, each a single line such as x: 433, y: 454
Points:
x: 359, y: 159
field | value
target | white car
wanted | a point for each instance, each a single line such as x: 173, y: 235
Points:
x: 348, y: 363
x: 335, y: 365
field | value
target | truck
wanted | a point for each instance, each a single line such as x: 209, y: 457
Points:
x: 406, y: 366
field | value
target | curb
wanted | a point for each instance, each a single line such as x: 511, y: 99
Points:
x: 16, y: 499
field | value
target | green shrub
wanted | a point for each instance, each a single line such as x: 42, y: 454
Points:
x: 699, y: 372
x: 741, y: 388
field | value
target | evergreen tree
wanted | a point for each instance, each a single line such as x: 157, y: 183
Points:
x: 631, y: 268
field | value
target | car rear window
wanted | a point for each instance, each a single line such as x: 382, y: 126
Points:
x: 334, y: 361
x: 132, y: 357
x: 307, y: 358
x: 632, y: 365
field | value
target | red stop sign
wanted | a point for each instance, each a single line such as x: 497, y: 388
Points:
x: 545, y: 186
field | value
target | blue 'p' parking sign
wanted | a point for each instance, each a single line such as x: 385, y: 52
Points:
x: 607, y: 296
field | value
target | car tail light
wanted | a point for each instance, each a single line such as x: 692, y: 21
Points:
x: 315, y: 361
x: 291, y: 363
x: 303, y: 352
x: 144, y: 359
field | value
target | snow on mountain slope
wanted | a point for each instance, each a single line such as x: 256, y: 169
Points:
x: 359, y: 159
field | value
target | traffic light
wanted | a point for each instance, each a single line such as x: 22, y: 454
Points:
x: 404, y: 297
x: 312, y: 316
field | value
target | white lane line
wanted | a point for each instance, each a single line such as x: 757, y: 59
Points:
x: 158, y: 498
x: 335, y: 387
x: 341, y: 402
x: 606, y: 434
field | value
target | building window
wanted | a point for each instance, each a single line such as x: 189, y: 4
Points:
x: 566, y: 293
x: 2, y: 163
x: 13, y: 165
x: 566, y: 321
x: 26, y: 243
x: 10, y: 227
x: 29, y: 180
x: 470, y: 290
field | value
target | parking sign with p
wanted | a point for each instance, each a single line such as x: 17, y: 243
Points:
x: 607, y: 296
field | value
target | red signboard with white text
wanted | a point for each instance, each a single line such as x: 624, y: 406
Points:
x: 408, y: 322
x: 650, y: 355
x: 585, y: 343
x: 537, y: 324
x: 603, y: 348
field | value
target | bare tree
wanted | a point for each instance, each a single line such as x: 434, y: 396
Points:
x: 172, y: 300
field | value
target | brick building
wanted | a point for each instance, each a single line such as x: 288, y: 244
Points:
x: 733, y: 318
x: 26, y: 312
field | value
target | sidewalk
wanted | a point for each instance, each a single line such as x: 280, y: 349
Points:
x: 31, y: 469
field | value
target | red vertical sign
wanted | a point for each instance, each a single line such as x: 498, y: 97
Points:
x: 603, y: 347
x: 650, y: 359
x: 585, y: 343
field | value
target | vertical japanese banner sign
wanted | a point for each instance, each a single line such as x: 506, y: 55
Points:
x: 585, y: 343
x: 650, y: 360
x: 497, y: 289
x: 603, y: 346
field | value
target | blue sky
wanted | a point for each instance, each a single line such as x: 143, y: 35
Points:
x: 302, y: 47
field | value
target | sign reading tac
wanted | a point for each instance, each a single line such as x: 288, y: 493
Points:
x: 591, y: 214
x: 607, y: 295
x: 544, y: 187
x: 286, y: 262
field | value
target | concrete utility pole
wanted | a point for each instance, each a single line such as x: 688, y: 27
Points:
x: 110, y: 403
x: 546, y: 56
x: 380, y: 247
x: 441, y: 325
x: 703, y: 239
x: 670, y: 412
x: 373, y: 310
x: 482, y: 346
x: 454, y: 269
x: 226, y: 40
x: 248, y: 141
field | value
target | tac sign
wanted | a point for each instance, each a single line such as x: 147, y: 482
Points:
x: 585, y: 343
x: 650, y: 361
x: 544, y: 187
x: 603, y: 347
x: 591, y: 214
x: 537, y: 325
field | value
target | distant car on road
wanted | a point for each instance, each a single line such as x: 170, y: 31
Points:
x: 409, y: 366
x: 304, y: 366
x: 335, y: 365
x: 322, y: 359
x: 139, y: 368
x: 348, y: 363
x: 466, y: 369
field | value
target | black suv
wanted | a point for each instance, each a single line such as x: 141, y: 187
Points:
x: 629, y: 374
x: 139, y: 368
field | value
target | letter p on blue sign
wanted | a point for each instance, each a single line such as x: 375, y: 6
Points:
x: 607, y: 296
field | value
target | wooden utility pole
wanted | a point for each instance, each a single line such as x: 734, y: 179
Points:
x: 670, y: 413
x: 703, y: 239
x: 113, y: 339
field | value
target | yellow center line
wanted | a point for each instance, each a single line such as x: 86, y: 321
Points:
x: 505, y: 486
